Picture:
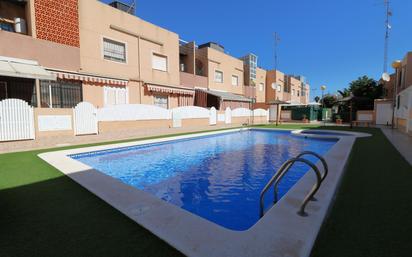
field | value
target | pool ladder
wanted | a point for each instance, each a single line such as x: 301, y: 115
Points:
x: 275, y: 180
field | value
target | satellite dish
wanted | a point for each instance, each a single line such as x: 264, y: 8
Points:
x: 386, y: 77
x: 274, y: 86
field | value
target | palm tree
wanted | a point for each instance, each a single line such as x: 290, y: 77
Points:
x: 344, y: 93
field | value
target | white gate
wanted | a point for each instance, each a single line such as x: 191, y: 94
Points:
x: 384, y: 113
x: 213, y: 116
x: 85, y: 119
x: 228, y: 115
x: 273, y: 112
x: 16, y: 120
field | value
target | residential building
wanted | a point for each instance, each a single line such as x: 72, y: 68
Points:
x: 117, y: 44
x: 44, y: 40
x: 260, y: 85
x: 275, y: 86
x: 302, y: 93
x: 403, y: 91
x: 255, y: 79
x: 67, y: 56
x: 224, y: 76
x: 110, y: 57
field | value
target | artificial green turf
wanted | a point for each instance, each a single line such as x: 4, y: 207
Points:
x: 44, y: 213
x: 372, y: 213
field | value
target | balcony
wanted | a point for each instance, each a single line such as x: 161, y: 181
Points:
x: 48, y: 54
x: 13, y: 16
x: 192, y: 81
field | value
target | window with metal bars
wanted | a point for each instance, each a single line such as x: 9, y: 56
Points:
x: 60, y: 93
x: 19, y: 88
x: 113, y: 50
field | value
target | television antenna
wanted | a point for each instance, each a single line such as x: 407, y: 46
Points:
x: 388, y: 27
x: 276, y: 43
x: 132, y: 6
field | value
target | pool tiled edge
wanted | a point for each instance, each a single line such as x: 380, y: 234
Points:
x: 281, y: 232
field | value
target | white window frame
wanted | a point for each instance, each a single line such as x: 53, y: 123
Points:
x: 214, y: 76
x: 279, y: 88
x: 161, y: 96
x: 261, y: 86
x: 116, y: 90
x: 237, y: 80
x: 116, y: 41
x: 160, y: 55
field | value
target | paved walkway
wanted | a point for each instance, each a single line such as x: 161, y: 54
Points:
x: 59, y: 141
x: 401, y: 141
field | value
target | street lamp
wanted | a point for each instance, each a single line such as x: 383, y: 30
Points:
x: 396, y: 65
x: 323, y: 88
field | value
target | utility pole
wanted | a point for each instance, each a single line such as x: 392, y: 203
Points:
x: 277, y: 40
x: 278, y: 106
x: 388, y: 14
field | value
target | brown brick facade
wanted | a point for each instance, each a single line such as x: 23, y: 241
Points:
x: 57, y: 21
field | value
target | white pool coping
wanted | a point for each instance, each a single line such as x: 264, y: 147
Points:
x: 281, y: 232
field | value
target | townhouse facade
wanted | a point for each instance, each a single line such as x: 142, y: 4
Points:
x: 286, y: 88
x: 403, y: 93
x: 218, y: 78
x: 66, y: 56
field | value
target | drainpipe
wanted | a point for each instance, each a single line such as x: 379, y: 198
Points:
x: 141, y: 84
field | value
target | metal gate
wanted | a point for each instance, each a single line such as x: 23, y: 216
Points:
x: 384, y: 113
x: 16, y: 120
x: 85, y: 119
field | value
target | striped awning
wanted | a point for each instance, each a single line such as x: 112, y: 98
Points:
x: 90, y: 78
x: 169, y: 89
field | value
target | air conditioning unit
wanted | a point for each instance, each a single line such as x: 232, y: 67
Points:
x: 20, y: 25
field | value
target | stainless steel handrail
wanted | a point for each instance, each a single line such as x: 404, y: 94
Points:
x: 325, y: 165
x: 315, y: 188
x: 279, y: 175
x: 271, y: 181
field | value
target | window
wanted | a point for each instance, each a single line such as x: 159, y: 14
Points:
x: 161, y: 101
x: 114, y: 51
x: 60, y: 93
x: 19, y: 88
x: 298, y: 93
x: 115, y: 95
x: 159, y: 62
x: 235, y: 80
x: 261, y: 86
x: 279, y: 88
x: 218, y: 76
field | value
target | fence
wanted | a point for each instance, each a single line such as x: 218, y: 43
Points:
x: 19, y: 121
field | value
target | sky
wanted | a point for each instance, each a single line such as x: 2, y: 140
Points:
x: 330, y: 42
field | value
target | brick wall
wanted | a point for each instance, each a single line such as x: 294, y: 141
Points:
x: 57, y: 21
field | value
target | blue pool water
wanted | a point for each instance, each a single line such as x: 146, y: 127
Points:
x: 216, y: 177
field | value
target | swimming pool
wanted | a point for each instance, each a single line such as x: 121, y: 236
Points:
x: 217, y: 177
x: 325, y: 133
